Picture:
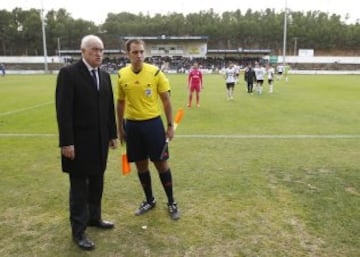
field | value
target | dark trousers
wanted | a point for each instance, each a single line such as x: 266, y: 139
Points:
x: 250, y: 87
x: 85, y: 201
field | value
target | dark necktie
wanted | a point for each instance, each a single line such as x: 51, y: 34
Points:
x: 93, y: 75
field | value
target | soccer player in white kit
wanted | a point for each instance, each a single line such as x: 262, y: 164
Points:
x: 259, y: 74
x: 230, y: 80
x: 237, y: 73
x: 280, y: 70
x: 270, y: 71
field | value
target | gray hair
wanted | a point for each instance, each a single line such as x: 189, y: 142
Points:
x: 86, y: 41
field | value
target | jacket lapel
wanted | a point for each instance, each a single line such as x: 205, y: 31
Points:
x: 86, y: 74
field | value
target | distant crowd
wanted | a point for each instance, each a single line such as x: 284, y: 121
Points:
x: 182, y: 64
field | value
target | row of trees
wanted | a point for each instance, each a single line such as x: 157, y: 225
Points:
x: 21, y: 33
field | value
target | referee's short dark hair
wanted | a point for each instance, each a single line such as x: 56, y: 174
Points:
x: 133, y: 41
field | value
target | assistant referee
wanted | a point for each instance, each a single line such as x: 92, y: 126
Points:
x: 139, y: 87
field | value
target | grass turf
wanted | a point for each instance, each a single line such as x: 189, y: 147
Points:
x: 270, y: 175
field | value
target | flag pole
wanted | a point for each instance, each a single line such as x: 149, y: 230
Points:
x: 44, y: 38
x: 285, y: 33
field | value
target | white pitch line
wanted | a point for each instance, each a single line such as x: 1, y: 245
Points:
x: 335, y: 136
x: 25, y: 109
x: 244, y: 136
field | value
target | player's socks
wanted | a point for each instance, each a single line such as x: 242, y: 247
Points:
x: 166, y: 180
x: 145, y: 180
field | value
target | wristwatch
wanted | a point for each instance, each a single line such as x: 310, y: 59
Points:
x: 170, y: 124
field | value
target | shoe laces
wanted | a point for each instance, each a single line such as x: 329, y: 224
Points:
x: 146, y: 205
x: 172, y: 207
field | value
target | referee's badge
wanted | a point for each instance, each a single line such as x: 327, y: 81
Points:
x: 148, y: 92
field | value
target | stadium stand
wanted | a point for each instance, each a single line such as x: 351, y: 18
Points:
x: 176, y: 54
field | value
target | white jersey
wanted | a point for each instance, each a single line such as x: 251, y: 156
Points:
x: 237, y: 69
x: 259, y: 73
x: 230, y: 75
x: 270, y: 73
x: 280, y: 69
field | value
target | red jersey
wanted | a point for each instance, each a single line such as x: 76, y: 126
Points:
x: 195, y: 78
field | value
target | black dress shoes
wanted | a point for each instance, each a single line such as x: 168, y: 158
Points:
x: 103, y: 224
x: 84, y: 242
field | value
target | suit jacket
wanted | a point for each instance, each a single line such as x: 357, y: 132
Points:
x: 249, y: 75
x: 86, y: 118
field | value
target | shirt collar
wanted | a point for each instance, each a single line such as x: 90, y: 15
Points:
x: 88, y: 66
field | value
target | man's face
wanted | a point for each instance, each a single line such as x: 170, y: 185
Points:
x: 93, y: 53
x: 136, y: 54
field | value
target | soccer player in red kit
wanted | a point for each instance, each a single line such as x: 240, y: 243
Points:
x: 195, y: 83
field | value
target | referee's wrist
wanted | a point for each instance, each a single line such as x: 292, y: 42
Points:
x: 170, y: 124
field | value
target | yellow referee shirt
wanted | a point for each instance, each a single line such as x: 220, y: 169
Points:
x: 141, y: 91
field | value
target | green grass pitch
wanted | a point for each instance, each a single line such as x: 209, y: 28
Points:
x: 270, y: 175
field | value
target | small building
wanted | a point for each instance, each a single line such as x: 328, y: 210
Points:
x: 170, y: 46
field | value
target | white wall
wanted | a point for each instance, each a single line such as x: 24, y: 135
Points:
x: 320, y: 59
x: 30, y: 59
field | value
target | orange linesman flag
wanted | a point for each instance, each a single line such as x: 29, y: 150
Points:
x: 178, y: 117
x: 126, y: 168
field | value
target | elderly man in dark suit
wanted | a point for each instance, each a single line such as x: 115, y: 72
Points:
x: 87, y: 128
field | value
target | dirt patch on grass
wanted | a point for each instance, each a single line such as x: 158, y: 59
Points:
x: 352, y: 191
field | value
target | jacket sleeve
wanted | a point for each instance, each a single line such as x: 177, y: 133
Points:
x: 112, y: 120
x: 64, y: 101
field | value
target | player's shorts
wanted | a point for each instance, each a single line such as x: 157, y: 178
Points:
x: 195, y: 88
x: 280, y: 73
x: 230, y: 85
x: 270, y: 81
x: 260, y: 81
x: 145, y: 139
